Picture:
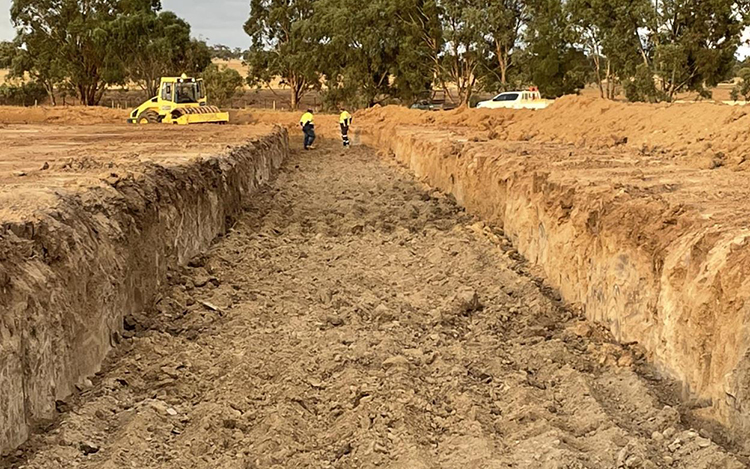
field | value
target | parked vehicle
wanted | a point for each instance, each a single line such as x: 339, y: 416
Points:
x: 529, y: 99
x: 429, y: 105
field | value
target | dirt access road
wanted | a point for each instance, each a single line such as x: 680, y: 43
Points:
x: 355, y: 319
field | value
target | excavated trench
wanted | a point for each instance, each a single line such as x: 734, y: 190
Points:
x: 353, y: 317
x: 70, y: 272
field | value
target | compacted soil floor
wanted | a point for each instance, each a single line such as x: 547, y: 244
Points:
x: 353, y: 318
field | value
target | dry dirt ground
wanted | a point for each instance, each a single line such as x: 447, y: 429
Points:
x: 38, y: 161
x: 355, y: 319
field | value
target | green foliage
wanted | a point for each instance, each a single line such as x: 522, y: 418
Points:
x: 156, y: 45
x: 222, y: 52
x: 608, y: 31
x: 72, y: 37
x: 283, y: 45
x: 694, y: 42
x: 222, y: 84
x: 642, y: 86
x: 739, y: 65
x: 657, y: 49
x: 360, y: 49
x: 554, y: 64
x: 7, y: 52
x: 688, y: 45
x: 38, y: 60
x: 465, y: 26
x: 386, y: 50
x: 22, y: 94
x: 87, y: 45
x: 504, y: 21
x: 742, y: 89
x: 369, y: 54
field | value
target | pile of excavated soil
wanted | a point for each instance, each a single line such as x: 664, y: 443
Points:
x: 704, y: 136
x: 326, y: 125
x: 64, y: 115
x: 353, y: 318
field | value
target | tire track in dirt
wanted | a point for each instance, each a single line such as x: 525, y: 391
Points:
x: 353, y: 318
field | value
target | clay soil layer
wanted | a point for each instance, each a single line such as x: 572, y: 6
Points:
x: 632, y: 226
x: 354, y: 318
x: 91, y: 219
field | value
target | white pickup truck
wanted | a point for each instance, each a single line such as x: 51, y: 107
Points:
x: 530, y: 99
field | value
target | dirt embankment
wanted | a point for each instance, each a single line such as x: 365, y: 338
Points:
x: 703, y: 136
x: 64, y: 115
x: 73, y: 265
x: 326, y: 125
x: 652, y: 247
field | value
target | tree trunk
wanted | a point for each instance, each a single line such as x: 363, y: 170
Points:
x: 502, y: 61
x: 152, y: 87
x: 611, y: 82
x: 82, y: 94
x: 50, y: 88
x: 90, y: 94
x: 466, y: 99
x: 294, y: 98
x: 598, y: 68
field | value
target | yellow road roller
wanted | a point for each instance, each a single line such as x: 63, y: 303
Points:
x: 181, y: 100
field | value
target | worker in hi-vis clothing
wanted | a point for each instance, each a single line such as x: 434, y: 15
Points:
x: 308, y: 127
x: 345, y: 120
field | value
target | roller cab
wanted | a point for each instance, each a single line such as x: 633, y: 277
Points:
x: 182, y: 101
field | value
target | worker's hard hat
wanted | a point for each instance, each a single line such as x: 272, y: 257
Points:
x: 183, y: 76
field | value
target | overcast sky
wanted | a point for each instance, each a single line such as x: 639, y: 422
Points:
x: 217, y: 21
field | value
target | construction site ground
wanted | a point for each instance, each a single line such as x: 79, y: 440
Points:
x: 354, y: 317
x: 365, y: 322
x: 41, y: 160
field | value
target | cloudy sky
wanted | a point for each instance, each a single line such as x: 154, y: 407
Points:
x: 218, y: 21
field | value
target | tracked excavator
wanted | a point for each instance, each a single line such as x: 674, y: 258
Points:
x: 181, y: 100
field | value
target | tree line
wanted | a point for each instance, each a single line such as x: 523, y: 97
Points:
x: 365, y: 53
x: 81, y: 47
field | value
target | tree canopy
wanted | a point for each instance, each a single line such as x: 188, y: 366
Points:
x: 157, y: 45
x: 366, y: 53
x: 88, y: 45
x: 283, y: 45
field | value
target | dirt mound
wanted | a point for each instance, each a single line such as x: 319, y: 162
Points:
x: 704, y: 136
x: 326, y: 125
x: 61, y: 115
x: 39, y: 160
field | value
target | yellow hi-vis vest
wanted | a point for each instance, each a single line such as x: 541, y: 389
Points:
x: 307, y: 118
x: 345, y: 118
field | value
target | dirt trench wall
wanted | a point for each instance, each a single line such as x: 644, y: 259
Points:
x: 675, y: 283
x: 68, y: 277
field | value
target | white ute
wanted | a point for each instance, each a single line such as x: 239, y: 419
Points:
x: 530, y: 99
